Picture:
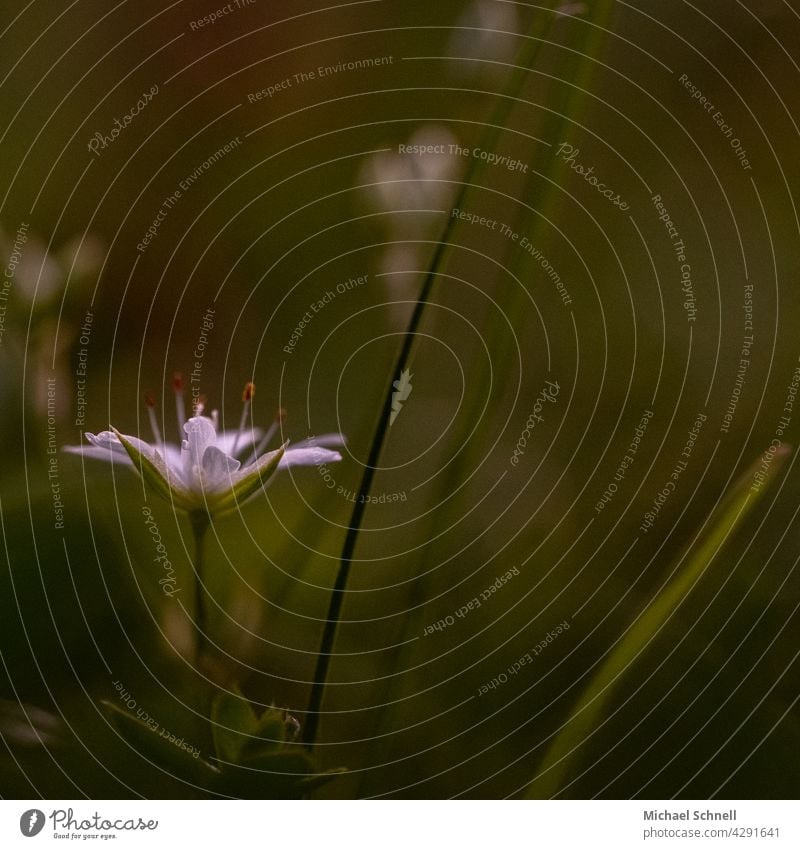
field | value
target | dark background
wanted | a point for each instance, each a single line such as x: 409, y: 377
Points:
x: 708, y: 706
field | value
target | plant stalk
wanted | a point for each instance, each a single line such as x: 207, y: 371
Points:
x: 200, y: 521
x: 493, y: 130
x: 348, y: 549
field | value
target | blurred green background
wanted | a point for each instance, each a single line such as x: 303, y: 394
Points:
x: 317, y: 193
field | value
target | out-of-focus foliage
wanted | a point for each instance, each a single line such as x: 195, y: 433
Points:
x: 265, y: 233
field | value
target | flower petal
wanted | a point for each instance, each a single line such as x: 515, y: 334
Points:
x: 104, y: 446
x: 95, y: 453
x: 324, y: 440
x: 218, y: 469
x: 249, y: 438
x: 200, y: 434
x: 174, y: 457
x: 107, y: 440
x: 308, y: 457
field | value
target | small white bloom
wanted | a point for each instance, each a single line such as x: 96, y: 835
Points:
x: 211, y: 471
x: 39, y: 275
x: 404, y: 181
x: 414, y: 190
x: 486, y: 32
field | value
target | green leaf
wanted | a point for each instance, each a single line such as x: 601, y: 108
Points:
x: 557, y: 123
x: 588, y: 712
x: 312, y: 782
x: 232, y: 722
x: 260, y: 763
x: 154, y: 743
x: 272, y: 725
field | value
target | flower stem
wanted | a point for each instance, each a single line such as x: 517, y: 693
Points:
x: 338, y: 592
x: 492, y: 131
x: 558, y: 123
x: 200, y: 521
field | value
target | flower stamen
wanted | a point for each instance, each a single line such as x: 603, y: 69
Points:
x: 150, y: 403
x: 180, y: 406
x: 247, y: 397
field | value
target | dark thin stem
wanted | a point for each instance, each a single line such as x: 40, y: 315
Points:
x: 200, y: 522
x: 338, y: 592
x: 493, y: 130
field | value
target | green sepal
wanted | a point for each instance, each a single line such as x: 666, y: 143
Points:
x: 258, y: 755
x: 155, y: 473
x: 233, y: 722
x: 256, y: 476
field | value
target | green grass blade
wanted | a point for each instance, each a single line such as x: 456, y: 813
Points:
x: 555, y: 125
x: 590, y: 708
x: 493, y: 129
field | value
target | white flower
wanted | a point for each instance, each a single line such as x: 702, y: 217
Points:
x: 409, y: 192
x: 486, y: 32
x: 212, y: 471
x: 415, y: 183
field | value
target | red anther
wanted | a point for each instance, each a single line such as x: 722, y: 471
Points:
x: 149, y: 399
x: 177, y: 382
x: 281, y: 417
x: 249, y: 391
